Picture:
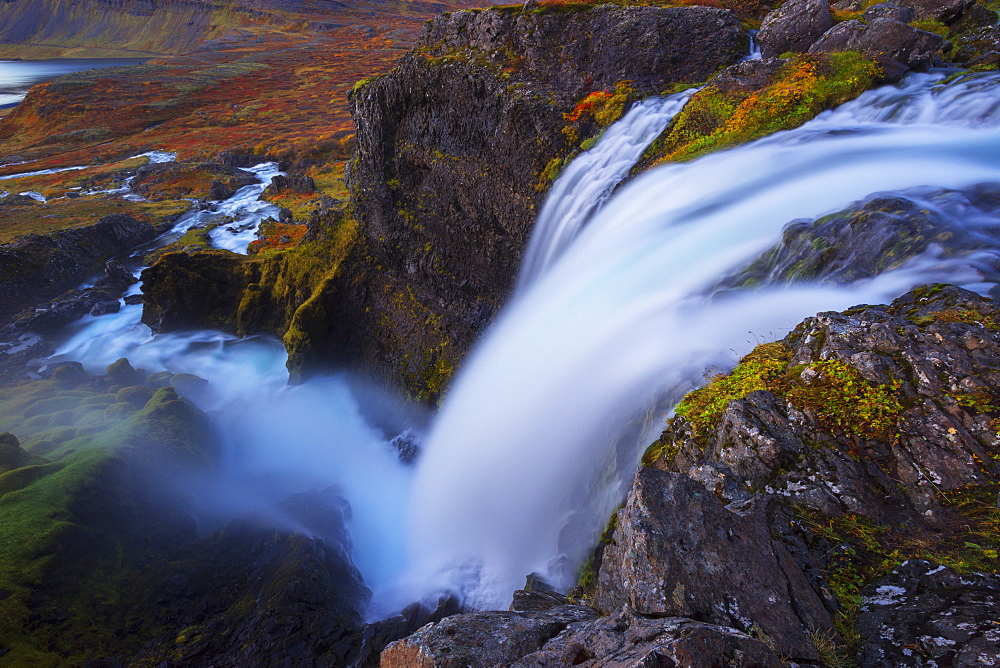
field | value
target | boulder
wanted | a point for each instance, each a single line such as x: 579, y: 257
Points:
x: 625, y: 638
x: 888, y: 10
x: 793, y: 26
x: 297, y: 183
x: 875, y: 235
x: 890, y: 42
x: 218, y: 191
x: 947, y: 11
x: 924, y: 614
x: 677, y: 551
x: 482, y: 640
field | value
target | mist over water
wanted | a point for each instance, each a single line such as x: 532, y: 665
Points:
x: 624, y: 316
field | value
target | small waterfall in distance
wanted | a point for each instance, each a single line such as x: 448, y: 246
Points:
x: 622, y: 317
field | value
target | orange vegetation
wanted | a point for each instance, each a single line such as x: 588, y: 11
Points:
x: 276, y: 236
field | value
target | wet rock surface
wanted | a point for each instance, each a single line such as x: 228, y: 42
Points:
x: 924, y: 614
x: 36, y: 268
x: 881, y: 233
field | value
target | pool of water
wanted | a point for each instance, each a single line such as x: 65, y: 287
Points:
x: 18, y: 76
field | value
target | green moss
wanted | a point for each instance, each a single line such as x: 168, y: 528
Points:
x: 760, y: 370
x: 932, y: 25
x: 586, y: 581
x: 956, y: 315
x: 845, y: 401
x: 715, y: 119
x: 549, y: 174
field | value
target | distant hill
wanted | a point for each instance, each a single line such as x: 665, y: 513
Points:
x: 129, y: 28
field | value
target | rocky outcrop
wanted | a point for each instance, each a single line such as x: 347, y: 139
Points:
x: 923, y: 613
x: 181, y: 290
x: 453, y: 150
x: 678, y: 551
x: 880, y: 234
x: 794, y: 26
x: 807, y: 26
x: 36, y: 268
x: 571, y: 636
x: 483, y: 640
x: 892, y: 43
x: 784, y: 513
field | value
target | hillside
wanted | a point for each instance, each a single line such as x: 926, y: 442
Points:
x: 131, y: 28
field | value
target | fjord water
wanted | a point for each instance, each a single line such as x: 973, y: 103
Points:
x: 525, y: 460
x: 17, y: 76
x: 520, y: 471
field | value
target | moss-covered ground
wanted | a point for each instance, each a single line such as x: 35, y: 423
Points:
x: 76, y: 447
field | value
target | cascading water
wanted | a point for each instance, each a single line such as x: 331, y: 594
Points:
x: 625, y: 315
x: 589, y: 180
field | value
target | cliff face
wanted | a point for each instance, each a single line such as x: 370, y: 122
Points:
x: 457, y: 146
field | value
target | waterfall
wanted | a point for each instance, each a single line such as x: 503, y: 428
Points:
x: 622, y: 317
x: 519, y: 470
x: 589, y: 180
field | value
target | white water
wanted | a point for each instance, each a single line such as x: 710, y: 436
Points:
x: 278, y: 440
x: 523, y: 440
x: 247, y: 210
x: 43, y: 172
x: 588, y: 182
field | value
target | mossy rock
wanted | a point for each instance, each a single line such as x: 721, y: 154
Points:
x: 11, y: 454
x: 159, y: 379
x: 69, y: 374
x: 120, y: 372
x: 136, y: 395
x: 119, y: 410
x: 188, y: 385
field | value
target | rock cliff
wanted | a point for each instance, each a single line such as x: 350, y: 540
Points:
x: 36, y: 268
x: 457, y: 146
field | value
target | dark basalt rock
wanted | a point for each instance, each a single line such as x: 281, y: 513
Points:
x: 482, y: 640
x: 882, y: 233
x: 182, y: 290
x: 297, y: 183
x: 891, y: 43
x: 924, y: 614
x: 677, y: 551
x: 35, y: 269
x: 942, y: 10
x: 452, y: 145
x: 625, y: 638
x: 887, y: 10
x: 794, y: 26
x: 218, y: 191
